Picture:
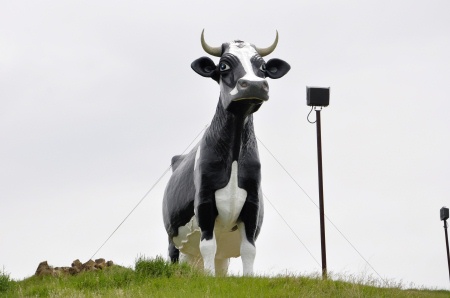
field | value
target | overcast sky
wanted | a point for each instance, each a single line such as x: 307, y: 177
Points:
x: 97, y: 96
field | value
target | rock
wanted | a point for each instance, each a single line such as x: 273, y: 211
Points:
x: 44, y: 269
x: 77, y: 264
x: 74, y: 270
x: 100, y: 263
x: 77, y: 267
x: 89, y: 266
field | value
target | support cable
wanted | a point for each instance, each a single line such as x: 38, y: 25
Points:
x: 146, y: 194
x: 292, y: 230
x: 329, y: 220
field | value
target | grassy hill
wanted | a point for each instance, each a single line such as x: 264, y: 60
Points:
x: 157, y: 278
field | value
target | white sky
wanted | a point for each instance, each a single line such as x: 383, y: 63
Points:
x: 97, y: 96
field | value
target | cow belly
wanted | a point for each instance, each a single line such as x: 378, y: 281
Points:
x: 229, y: 201
x: 188, y: 241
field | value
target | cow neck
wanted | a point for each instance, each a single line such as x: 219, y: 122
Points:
x: 229, y: 134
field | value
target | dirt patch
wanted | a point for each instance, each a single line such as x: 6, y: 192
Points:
x: 45, y: 269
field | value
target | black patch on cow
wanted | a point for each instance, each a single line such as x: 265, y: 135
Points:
x: 178, y: 203
x: 207, y: 213
x: 244, y: 107
x: 236, y: 71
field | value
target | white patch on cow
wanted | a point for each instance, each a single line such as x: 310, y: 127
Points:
x: 244, y: 54
x: 248, y: 251
x: 208, y: 250
x: 229, y: 201
x: 234, y: 91
x: 197, y: 156
x: 188, y: 238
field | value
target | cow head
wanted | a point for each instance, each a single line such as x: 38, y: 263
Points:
x: 241, y: 73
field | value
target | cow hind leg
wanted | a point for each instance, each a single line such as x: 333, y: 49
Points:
x: 174, y: 253
x: 248, y: 251
x: 221, y: 266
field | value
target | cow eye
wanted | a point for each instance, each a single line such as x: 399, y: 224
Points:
x: 262, y: 67
x: 224, y: 66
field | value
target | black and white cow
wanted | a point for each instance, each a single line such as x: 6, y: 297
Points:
x: 213, y: 206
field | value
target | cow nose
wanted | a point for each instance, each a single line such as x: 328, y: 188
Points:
x: 244, y: 84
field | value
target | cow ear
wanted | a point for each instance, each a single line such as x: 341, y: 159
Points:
x: 276, y: 68
x: 204, y: 66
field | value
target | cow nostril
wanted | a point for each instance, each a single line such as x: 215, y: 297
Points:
x: 265, y: 86
x: 244, y: 84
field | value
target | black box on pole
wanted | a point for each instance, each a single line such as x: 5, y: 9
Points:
x: 444, y: 213
x: 317, y: 97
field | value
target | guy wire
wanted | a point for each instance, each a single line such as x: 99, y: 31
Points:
x: 329, y: 220
x: 146, y: 194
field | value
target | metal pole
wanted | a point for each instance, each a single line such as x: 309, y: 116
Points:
x: 321, y: 205
x: 446, y: 243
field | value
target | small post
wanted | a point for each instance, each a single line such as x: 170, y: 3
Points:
x: 321, y: 205
x: 320, y: 97
x: 444, y: 216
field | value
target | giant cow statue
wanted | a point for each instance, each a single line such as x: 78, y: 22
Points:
x: 213, y: 205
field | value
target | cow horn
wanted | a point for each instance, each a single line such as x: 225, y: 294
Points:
x: 215, y: 51
x: 266, y: 51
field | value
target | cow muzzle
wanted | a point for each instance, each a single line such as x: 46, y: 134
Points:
x: 248, y: 96
x: 255, y: 90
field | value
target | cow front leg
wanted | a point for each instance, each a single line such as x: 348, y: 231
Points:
x: 208, y: 248
x: 248, y: 251
x: 206, y: 215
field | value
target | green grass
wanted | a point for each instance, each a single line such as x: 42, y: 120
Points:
x: 157, y: 278
x: 5, y: 282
